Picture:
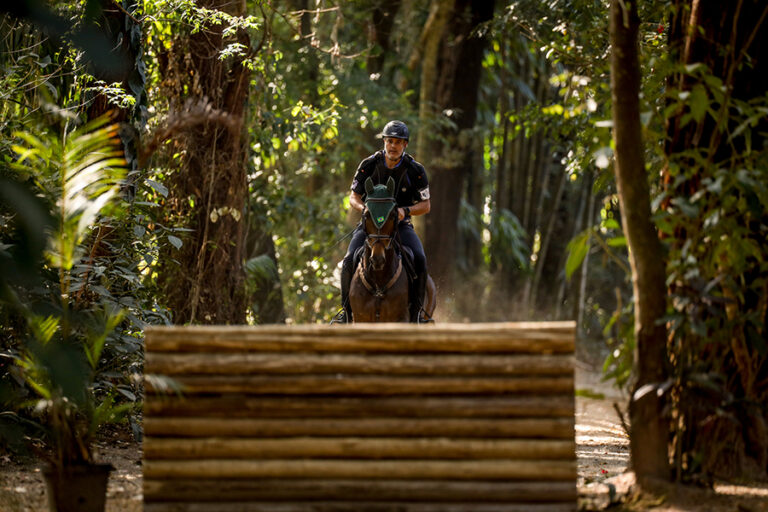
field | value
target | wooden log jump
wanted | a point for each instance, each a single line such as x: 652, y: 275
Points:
x: 470, y: 417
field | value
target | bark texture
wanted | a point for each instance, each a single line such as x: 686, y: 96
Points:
x: 203, y: 280
x: 649, y: 429
x: 449, y: 163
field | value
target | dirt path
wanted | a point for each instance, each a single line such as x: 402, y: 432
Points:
x: 22, y: 487
x: 602, y: 445
x: 602, y: 450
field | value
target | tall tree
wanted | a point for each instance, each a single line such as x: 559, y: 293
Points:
x: 649, y: 429
x: 203, y: 279
x: 451, y: 158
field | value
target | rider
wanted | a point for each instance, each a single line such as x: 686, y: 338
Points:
x: 412, y: 196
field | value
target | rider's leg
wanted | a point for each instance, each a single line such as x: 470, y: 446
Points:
x: 418, y: 287
x: 347, y: 271
x: 346, y: 279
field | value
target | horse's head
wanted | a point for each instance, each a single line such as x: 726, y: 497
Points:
x: 380, y: 220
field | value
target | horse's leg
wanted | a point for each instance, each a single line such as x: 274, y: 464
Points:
x: 430, y: 302
x: 403, y: 291
x: 357, y: 294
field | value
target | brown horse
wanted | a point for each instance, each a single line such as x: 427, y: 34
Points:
x: 379, y: 288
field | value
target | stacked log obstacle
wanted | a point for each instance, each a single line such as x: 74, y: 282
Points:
x: 471, y: 417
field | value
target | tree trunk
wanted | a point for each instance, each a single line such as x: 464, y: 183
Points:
x: 431, y: 38
x: 501, y: 195
x: 208, y: 191
x: 537, y: 169
x: 459, y: 81
x: 546, y: 231
x: 472, y: 247
x: 649, y: 427
x: 379, y: 31
x: 517, y: 176
x: 583, y: 221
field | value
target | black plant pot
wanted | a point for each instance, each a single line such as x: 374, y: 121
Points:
x: 81, y: 488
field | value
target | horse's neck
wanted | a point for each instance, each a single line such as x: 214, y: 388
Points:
x: 390, y: 267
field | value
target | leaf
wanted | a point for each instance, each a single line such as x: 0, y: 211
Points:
x: 101, y: 290
x: 127, y: 393
x: 618, y: 241
x: 698, y: 102
x: 44, y: 328
x: 577, y: 251
x: 262, y: 268
x: 175, y: 241
x: 588, y: 393
x: 686, y: 207
x: 158, y: 187
x: 693, y: 68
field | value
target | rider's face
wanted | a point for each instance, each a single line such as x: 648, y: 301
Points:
x: 393, y: 148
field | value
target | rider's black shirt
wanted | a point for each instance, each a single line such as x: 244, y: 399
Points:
x: 411, y: 185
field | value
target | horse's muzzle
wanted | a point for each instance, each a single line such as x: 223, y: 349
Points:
x: 378, y: 259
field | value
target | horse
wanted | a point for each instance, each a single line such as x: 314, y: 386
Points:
x: 379, y: 288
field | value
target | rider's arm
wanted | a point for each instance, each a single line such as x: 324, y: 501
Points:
x: 420, y: 208
x: 356, y: 201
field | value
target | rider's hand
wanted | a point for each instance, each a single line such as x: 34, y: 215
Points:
x: 400, y: 214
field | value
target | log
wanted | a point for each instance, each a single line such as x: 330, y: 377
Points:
x: 389, y: 418
x: 380, y: 338
x: 497, y: 469
x: 424, y: 364
x: 554, y: 428
x: 373, y: 490
x: 356, y: 506
x: 380, y: 385
x: 357, y: 448
x: 235, y: 406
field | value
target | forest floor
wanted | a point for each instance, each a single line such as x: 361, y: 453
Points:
x: 602, y: 450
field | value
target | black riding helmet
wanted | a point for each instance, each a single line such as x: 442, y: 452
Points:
x: 395, y: 130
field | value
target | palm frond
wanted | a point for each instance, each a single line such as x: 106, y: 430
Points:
x: 80, y: 174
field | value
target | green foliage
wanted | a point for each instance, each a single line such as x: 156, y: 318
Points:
x: 316, y: 117
x: 80, y: 175
x: 68, y: 412
x: 59, y: 355
x: 91, y: 292
x: 715, y: 224
x: 619, y: 332
x: 509, y: 241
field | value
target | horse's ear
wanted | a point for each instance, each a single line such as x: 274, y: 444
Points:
x: 391, y: 186
x: 369, y: 186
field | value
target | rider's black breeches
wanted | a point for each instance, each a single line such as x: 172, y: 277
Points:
x: 358, y: 240
x: 409, y: 239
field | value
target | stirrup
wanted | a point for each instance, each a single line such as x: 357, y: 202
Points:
x: 340, y: 318
x: 423, y: 318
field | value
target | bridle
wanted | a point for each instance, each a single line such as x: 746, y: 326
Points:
x: 371, y: 240
x: 378, y: 237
